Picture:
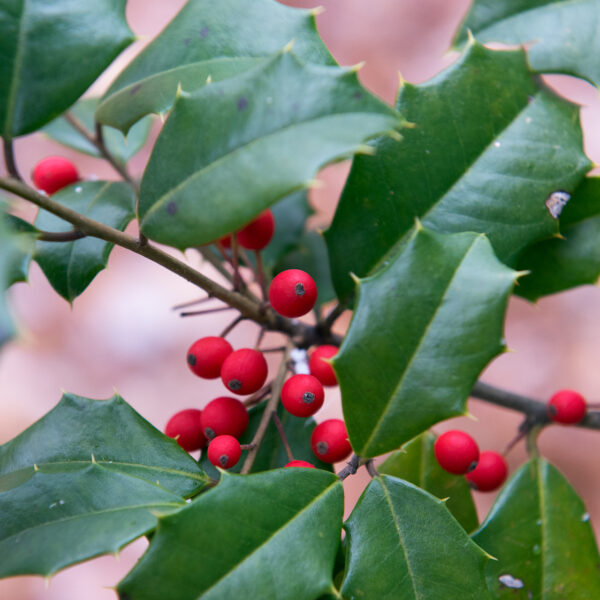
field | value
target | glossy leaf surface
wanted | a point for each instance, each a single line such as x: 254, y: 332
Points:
x: 272, y: 536
x: 403, y: 543
x: 207, y: 41
x: 252, y: 125
x: 71, y: 266
x: 23, y: 238
x: 540, y: 532
x: 412, y: 352
x: 416, y: 463
x: 487, y: 150
x: 51, y: 53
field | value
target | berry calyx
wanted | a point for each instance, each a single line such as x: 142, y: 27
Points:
x: 244, y: 371
x: 224, y: 416
x: 224, y: 451
x: 456, y: 452
x: 490, y: 472
x: 302, y: 395
x: 567, y: 407
x: 329, y: 441
x: 257, y: 234
x: 54, y: 173
x: 185, y: 426
x: 206, y: 355
x: 293, y: 293
x: 320, y: 369
x: 300, y: 463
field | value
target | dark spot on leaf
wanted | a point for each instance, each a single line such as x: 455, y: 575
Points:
x: 299, y: 289
x: 242, y: 103
x: 357, y: 95
x: 135, y: 89
x: 234, y: 385
x: 308, y: 397
x: 204, y: 32
x: 191, y: 359
x: 322, y: 447
x: 172, y: 208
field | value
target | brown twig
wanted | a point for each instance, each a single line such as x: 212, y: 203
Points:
x: 231, y: 326
x: 260, y: 275
x: 192, y: 303
x: 350, y: 468
x: 207, y: 311
x: 282, y: 435
x: 9, y: 159
x: 258, y: 396
x: 60, y: 236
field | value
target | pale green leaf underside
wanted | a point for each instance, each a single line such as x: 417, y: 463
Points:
x: 403, y: 543
x: 236, y: 147
x: 540, y: 532
x: 563, y: 34
x: 278, y: 541
x: 412, y: 352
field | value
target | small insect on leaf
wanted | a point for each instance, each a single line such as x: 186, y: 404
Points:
x: 511, y: 582
x: 556, y: 201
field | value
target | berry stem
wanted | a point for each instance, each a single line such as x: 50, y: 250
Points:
x: 260, y: 275
x: 350, y: 468
x: 333, y: 315
x: 231, y: 326
x: 282, y: 435
x: 238, y: 281
x: 193, y: 313
x: 9, y: 159
x: 60, y: 236
x: 371, y: 470
x: 192, y: 303
x: 258, y: 396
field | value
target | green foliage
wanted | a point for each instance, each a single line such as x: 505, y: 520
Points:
x: 396, y: 386
x: 403, y: 543
x: 271, y: 535
x: 22, y: 235
x: 51, y: 53
x: 539, y: 531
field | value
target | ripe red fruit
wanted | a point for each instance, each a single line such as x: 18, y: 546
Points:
x: 224, y: 451
x: 456, y: 452
x: 300, y: 463
x: 206, y: 355
x: 54, y: 173
x: 302, y: 395
x: 293, y: 293
x: 185, y: 426
x: 567, y: 407
x: 244, y: 371
x: 257, y: 234
x: 224, y: 416
x: 329, y: 441
x: 322, y: 370
x: 490, y: 472
x: 226, y: 241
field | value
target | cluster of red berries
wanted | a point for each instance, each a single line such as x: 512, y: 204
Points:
x: 53, y: 173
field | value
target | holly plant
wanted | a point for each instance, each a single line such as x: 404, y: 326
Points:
x: 473, y: 182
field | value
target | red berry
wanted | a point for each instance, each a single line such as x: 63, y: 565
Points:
x: 185, y: 426
x: 293, y: 293
x: 567, y: 407
x: 224, y: 416
x: 329, y: 441
x: 456, y: 452
x: 54, y: 173
x: 302, y: 395
x: 244, y: 371
x: 490, y: 472
x: 257, y: 234
x: 224, y: 451
x: 226, y: 241
x: 206, y: 355
x: 300, y: 463
x: 322, y: 370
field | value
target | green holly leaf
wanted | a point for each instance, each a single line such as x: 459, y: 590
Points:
x: 396, y: 386
x: 251, y: 125
x: 51, y: 53
x: 207, y: 42
x: 271, y: 453
x: 123, y: 148
x: 562, y: 33
x: 570, y: 260
x: 23, y: 242
x: 487, y: 150
x: 71, y: 266
x: 539, y: 531
x: 403, y: 543
x: 417, y: 464
x: 271, y: 535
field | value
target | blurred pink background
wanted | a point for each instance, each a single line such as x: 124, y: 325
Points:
x: 121, y: 334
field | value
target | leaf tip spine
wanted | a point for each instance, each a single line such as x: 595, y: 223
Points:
x: 355, y: 278
x: 316, y: 11
x: 419, y: 225
x: 94, y: 460
x: 470, y: 38
x: 365, y: 149
x: 35, y: 467
x: 519, y: 274
x: 208, y: 80
x: 470, y: 416
x: 395, y: 135
x: 408, y: 124
x: 357, y: 67
x: 288, y: 47
x: 315, y: 184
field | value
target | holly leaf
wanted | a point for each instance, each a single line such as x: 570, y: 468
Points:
x: 562, y: 33
x: 403, y: 543
x: 272, y: 453
x: 396, y: 386
x: 271, y: 535
x: 207, y: 42
x: 539, y: 531
x: 122, y: 147
x: 417, y: 464
x: 573, y: 258
x: 71, y: 266
x: 51, y: 53
x: 23, y: 244
x: 487, y: 150
x: 193, y: 194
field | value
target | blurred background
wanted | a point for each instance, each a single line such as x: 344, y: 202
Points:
x: 122, y: 334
